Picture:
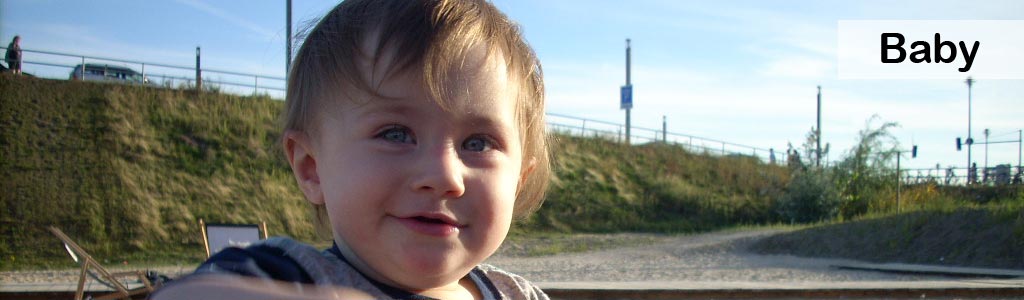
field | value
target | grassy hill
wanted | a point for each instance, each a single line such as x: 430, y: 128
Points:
x: 604, y: 186
x: 128, y: 171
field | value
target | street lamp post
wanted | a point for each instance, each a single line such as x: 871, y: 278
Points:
x: 288, y: 40
x: 970, y: 141
x: 817, y: 133
x: 627, y: 93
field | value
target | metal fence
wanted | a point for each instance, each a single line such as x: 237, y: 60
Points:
x: 998, y: 175
x: 49, y: 64
x: 616, y: 132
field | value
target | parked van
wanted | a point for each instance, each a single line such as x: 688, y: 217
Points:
x: 96, y: 72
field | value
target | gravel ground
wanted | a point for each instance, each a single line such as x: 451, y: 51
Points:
x: 716, y: 256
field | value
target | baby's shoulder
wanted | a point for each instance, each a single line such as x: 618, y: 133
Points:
x: 510, y: 285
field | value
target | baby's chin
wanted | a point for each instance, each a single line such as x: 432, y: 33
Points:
x: 437, y: 268
x: 415, y: 269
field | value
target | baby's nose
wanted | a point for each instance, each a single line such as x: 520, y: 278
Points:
x: 440, y: 173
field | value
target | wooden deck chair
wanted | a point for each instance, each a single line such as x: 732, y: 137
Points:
x: 216, y: 237
x: 105, y: 277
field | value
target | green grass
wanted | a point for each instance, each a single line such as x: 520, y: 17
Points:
x: 604, y: 186
x: 128, y: 171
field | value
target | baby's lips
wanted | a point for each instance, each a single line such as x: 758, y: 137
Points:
x: 436, y: 217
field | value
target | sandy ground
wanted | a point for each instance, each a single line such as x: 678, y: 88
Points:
x: 716, y: 256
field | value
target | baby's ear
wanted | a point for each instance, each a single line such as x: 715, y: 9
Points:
x: 301, y: 156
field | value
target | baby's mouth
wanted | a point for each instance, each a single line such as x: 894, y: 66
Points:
x: 432, y: 225
x: 431, y: 220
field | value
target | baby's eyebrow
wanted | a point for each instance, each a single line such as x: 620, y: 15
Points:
x: 385, y: 108
x: 485, y: 122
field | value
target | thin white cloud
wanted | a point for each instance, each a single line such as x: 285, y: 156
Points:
x: 57, y: 36
x: 230, y: 18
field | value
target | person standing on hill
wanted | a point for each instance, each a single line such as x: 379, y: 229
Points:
x: 13, y: 56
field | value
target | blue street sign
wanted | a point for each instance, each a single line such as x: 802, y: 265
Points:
x: 627, y: 97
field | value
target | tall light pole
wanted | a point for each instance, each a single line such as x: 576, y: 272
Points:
x: 627, y: 93
x: 818, y: 131
x: 288, y: 40
x: 970, y: 141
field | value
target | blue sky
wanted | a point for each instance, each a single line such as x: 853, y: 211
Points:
x: 739, y: 71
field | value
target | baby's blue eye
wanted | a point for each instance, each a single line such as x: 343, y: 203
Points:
x: 478, y: 144
x: 396, y: 134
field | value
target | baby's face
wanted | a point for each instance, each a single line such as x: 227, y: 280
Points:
x: 420, y: 195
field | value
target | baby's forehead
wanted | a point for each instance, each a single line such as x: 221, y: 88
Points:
x: 480, y: 73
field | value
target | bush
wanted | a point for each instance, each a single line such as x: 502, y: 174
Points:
x: 810, y: 197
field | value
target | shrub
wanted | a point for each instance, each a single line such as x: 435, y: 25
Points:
x: 810, y: 197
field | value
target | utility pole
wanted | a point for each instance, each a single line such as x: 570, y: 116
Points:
x: 627, y: 93
x: 817, y: 133
x: 970, y: 141
x: 288, y: 41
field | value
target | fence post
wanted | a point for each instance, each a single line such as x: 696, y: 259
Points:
x: 256, y: 85
x: 82, y: 72
x: 583, y: 130
x: 143, y: 73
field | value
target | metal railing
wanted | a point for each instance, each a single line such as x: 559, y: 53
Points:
x: 614, y: 131
x: 169, y: 75
x: 963, y: 176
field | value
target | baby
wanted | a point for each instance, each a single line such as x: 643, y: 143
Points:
x: 416, y: 130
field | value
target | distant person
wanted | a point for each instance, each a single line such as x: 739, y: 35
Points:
x: 13, y: 56
x: 416, y: 130
x: 793, y: 159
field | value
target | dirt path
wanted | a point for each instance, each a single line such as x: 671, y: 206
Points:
x: 716, y: 256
